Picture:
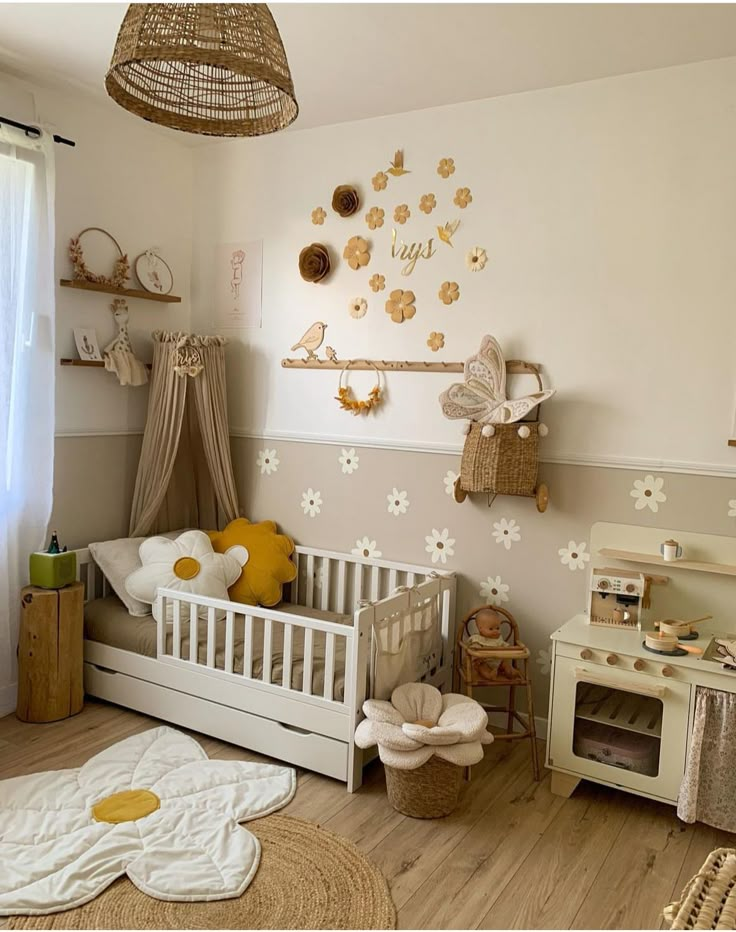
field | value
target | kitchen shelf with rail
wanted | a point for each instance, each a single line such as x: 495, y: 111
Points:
x: 655, y: 559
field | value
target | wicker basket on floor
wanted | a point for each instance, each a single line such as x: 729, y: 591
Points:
x: 428, y: 792
x: 709, y: 899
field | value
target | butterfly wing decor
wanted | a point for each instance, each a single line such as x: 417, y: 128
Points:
x: 482, y: 396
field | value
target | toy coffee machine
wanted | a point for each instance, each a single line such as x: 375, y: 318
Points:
x: 619, y: 598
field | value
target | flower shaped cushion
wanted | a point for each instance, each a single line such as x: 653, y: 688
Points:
x: 420, y: 722
x: 152, y: 807
x: 266, y: 564
x: 187, y: 564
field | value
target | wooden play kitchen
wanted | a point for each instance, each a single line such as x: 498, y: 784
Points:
x: 623, y: 695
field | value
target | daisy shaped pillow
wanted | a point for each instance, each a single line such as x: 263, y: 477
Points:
x: 188, y: 564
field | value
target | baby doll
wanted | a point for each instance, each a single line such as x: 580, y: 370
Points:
x: 489, y: 637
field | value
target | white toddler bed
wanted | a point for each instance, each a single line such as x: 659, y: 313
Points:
x: 288, y: 682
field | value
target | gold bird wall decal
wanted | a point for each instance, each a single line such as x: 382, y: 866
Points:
x: 312, y: 339
x: 397, y: 166
x: 447, y: 231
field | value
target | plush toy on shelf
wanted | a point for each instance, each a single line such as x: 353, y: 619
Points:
x: 119, y: 356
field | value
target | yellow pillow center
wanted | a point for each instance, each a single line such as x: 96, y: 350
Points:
x: 186, y: 567
x: 126, y: 806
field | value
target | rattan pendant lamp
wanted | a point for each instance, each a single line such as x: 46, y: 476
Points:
x: 218, y: 69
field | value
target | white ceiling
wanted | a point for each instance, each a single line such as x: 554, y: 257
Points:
x: 357, y: 60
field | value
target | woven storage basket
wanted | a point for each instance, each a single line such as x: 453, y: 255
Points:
x: 504, y: 464
x: 428, y: 792
x: 709, y: 899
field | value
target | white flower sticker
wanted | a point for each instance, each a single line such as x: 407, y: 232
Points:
x: 494, y: 591
x: 648, y: 493
x: 311, y: 502
x: 544, y: 659
x: 268, y: 462
x: 440, y: 545
x: 732, y: 508
x: 574, y: 556
x: 449, y: 481
x: 349, y: 461
x: 506, y: 532
x: 398, y: 503
x: 366, y: 548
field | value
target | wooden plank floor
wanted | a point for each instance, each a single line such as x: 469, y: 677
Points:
x: 512, y: 856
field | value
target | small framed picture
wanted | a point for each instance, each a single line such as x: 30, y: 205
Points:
x: 87, y: 345
x: 153, y: 273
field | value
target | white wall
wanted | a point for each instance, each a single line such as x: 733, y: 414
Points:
x: 135, y: 182
x: 607, y: 211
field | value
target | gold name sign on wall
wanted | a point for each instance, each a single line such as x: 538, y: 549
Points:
x: 411, y: 253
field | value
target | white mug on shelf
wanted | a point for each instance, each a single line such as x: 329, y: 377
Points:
x: 670, y: 550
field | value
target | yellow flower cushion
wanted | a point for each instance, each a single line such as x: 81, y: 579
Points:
x: 267, y: 566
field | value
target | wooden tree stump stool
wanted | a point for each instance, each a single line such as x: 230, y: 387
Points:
x: 50, y: 653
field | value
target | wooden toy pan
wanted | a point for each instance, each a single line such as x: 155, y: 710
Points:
x: 680, y: 629
x: 668, y: 643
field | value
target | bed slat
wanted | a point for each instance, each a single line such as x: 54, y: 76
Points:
x: 176, y: 647
x: 309, y: 602
x: 374, y: 583
x: 308, y: 659
x: 211, y: 631
x: 341, y: 588
x: 193, y: 633
x: 329, y: 665
x: 248, y: 648
x: 325, y: 578
x: 229, y: 641
x: 286, y: 675
x: 267, y: 635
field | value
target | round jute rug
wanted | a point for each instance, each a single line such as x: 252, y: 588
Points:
x: 308, y: 878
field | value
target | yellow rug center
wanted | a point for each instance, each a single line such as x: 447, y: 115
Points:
x: 126, y: 806
x: 186, y: 567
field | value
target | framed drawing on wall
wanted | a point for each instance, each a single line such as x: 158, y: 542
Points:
x: 87, y: 345
x: 238, y: 278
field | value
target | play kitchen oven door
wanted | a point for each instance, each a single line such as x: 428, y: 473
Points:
x: 619, y: 727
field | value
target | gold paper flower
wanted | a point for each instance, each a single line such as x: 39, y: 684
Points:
x: 314, y: 262
x: 463, y: 197
x: 318, y: 216
x: 476, y: 259
x: 449, y: 292
x: 379, y: 181
x: 356, y: 253
x: 377, y: 282
x: 345, y: 200
x: 427, y: 203
x: 436, y: 341
x: 446, y: 168
x: 374, y: 217
x: 400, y: 305
x: 402, y: 213
x: 358, y: 308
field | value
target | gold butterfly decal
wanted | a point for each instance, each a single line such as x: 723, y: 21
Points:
x: 446, y: 232
x: 397, y: 166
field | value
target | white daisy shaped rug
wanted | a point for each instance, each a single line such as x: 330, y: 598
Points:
x: 153, y: 807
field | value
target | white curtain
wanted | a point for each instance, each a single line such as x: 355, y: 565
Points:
x: 26, y: 374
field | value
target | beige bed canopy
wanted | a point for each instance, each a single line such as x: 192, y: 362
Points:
x: 185, y: 474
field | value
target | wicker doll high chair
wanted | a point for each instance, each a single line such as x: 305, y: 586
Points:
x: 506, y: 665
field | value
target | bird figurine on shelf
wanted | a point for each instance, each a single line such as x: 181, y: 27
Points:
x: 312, y: 339
x: 397, y: 166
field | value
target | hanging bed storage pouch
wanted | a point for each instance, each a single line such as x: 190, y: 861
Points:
x: 406, y: 646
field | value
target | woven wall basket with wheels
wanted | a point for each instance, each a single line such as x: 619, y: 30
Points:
x: 504, y: 464
x: 428, y: 792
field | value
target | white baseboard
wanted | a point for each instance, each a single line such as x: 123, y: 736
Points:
x: 8, y: 699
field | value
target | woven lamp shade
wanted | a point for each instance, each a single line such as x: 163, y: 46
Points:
x: 219, y: 69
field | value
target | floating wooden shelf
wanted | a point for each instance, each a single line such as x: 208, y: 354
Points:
x: 88, y: 363
x: 513, y: 366
x: 732, y: 443
x: 725, y: 569
x: 121, y: 292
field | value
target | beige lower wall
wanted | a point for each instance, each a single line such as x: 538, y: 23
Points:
x: 94, y: 478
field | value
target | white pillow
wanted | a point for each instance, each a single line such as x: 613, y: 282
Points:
x: 188, y: 564
x: 118, y: 559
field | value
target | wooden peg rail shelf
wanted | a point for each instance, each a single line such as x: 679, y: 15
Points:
x: 122, y: 292
x: 89, y: 363
x: 513, y: 366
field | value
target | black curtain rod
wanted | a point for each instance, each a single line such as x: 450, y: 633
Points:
x: 35, y: 132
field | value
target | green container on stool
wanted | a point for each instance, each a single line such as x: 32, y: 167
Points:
x: 53, y: 570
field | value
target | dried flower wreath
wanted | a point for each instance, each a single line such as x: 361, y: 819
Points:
x: 358, y: 406
x: 121, y: 269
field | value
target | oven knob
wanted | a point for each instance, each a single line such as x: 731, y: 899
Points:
x: 630, y: 587
x: 612, y: 659
x: 603, y: 584
x: 639, y: 665
x: 667, y: 671
x: 586, y: 653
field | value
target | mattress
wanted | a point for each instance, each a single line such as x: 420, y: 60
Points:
x: 107, y: 621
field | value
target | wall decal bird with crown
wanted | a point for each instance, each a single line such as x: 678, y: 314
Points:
x: 397, y: 166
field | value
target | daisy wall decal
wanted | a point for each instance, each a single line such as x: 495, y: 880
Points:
x: 349, y: 461
x: 506, y: 532
x: 648, y: 493
x: 544, y: 659
x: 364, y: 547
x: 398, y: 503
x: 267, y: 462
x: 449, y: 480
x: 440, y: 545
x: 494, y: 591
x: 574, y: 556
x: 311, y: 502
